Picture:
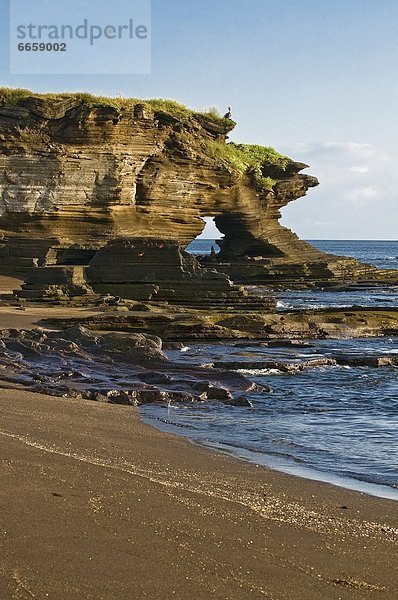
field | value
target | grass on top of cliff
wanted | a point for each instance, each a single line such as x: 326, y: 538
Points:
x: 247, y: 158
x: 12, y: 96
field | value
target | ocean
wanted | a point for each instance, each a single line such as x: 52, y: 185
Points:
x: 381, y: 254
x: 336, y: 424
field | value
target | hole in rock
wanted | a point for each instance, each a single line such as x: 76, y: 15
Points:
x: 203, y: 243
x: 74, y: 256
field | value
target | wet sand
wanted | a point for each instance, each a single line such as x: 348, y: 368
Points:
x: 12, y: 317
x: 96, y: 504
x: 30, y: 316
x: 9, y: 284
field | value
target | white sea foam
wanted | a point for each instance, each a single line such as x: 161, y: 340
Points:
x: 281, y: 304
x: 259, y: 371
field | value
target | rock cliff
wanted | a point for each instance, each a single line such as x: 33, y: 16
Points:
x: 78, y: 172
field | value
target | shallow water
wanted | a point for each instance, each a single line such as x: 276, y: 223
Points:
x: 334, y: 423
x: 302, y: 299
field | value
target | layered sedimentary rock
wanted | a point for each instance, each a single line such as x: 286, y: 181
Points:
x: 74, y: 176
x: 333, y: 323
x: 77, y: 173
x: 143, y: 269
x: 149, y: 269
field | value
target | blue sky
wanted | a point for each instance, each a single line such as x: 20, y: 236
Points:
x: 315, y: 79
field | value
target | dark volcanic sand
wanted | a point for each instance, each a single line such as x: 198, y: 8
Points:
x: 94, y: 504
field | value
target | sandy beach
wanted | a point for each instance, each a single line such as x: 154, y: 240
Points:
x: 95, y: 504
x: 14, y: 316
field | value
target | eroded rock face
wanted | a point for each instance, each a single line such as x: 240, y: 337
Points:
x: 74, y: 176
x: 175, y: 326
x: 142, y: 269
x: 151, y: 269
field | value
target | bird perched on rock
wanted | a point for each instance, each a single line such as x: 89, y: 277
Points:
x: 228, y: 115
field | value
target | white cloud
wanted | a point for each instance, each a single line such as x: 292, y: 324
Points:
x: 362, y: 196
x: 359, y: 169
x: 340, y: 207
x: 335, y: 149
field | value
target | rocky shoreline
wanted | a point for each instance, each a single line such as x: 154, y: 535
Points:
x: 132, y: 369
x: 112, y: 350
x: 128, y: 369
x: 172, y: 324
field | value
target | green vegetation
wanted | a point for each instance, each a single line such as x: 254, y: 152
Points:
x: 246, y: 158
x: 213, y: 111
x: 264, y: 183
x: 241, y: 157
x: 168, y: 106
x: 11, y: 96
x: 236, y: 158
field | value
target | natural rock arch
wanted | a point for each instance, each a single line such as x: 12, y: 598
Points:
x: 79, y: 172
